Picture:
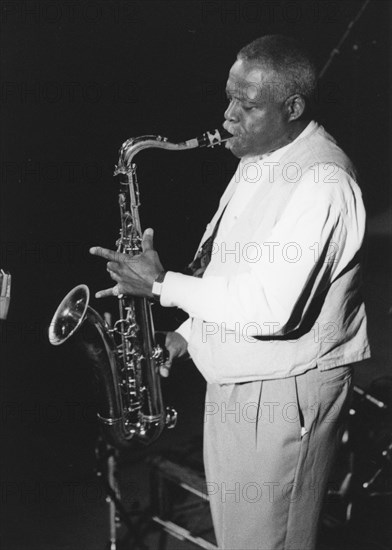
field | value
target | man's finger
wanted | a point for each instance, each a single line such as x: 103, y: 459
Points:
x: 105, y: 293
x: 113, y: 266
x: 147, y: 240
x: 114, y: 275
x: 106, y: 253
x: 165, y: 369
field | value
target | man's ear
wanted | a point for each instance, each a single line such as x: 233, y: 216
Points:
x: 295, y: 105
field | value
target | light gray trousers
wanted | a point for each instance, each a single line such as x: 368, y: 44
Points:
x: 268, y: 451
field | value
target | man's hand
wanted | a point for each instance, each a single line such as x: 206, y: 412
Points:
x: 134, y: 274
x: 177, y: 347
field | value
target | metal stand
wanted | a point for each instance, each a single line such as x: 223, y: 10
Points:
x: 179, y: 502
x: 106, y: 469
x: 386, y: 458
x: 363, y: 471
x: 336, y: 49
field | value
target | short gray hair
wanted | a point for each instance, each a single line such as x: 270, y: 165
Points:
x: 294, y: 70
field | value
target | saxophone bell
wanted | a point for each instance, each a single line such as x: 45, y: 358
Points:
x: 69, y: 315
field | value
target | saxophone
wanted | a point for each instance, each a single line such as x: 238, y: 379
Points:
x: 125, y: 356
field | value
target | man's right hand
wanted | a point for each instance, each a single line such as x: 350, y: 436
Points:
x: 177, y: 347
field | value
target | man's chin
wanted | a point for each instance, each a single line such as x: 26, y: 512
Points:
x: 233, y: 147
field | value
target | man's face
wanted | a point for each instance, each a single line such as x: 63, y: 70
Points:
x: 258, y: 122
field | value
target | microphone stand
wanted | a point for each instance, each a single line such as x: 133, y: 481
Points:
x: 336, y: 49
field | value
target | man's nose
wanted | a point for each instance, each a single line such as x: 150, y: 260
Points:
x: 231, y: 111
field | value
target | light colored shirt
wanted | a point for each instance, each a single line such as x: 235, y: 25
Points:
x: 282, y: 291
x: 281, y: 265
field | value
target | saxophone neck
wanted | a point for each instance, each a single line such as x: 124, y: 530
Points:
x: 132, y: 146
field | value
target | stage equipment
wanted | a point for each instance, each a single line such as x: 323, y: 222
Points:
x: 336, y: 49
x: 360, y: 483
x: 5, y: 293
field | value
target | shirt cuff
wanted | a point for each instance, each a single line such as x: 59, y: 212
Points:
x: 177, y: 288
x: 204, y: 298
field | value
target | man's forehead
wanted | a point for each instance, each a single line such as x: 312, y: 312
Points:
x: 248, y: 80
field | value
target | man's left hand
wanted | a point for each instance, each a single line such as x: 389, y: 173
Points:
x: 134, y: 275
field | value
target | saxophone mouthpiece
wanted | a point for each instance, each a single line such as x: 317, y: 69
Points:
x: 216, y: 137
x: 225, y: 135
x: 210, y: 138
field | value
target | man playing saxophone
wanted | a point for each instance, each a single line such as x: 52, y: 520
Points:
x: 277, y: 319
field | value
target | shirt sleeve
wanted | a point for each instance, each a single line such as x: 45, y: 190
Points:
x: 319, y: 232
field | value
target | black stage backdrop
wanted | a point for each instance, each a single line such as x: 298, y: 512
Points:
x: 78, y: 79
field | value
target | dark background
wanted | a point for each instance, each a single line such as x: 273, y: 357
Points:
x: 78, y: 79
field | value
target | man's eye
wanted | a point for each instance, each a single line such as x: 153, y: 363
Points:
x: 230, y: 99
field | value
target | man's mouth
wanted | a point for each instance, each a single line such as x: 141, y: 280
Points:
x: 232, y: 142
x: 230, y: 130
x: 234, y: 138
